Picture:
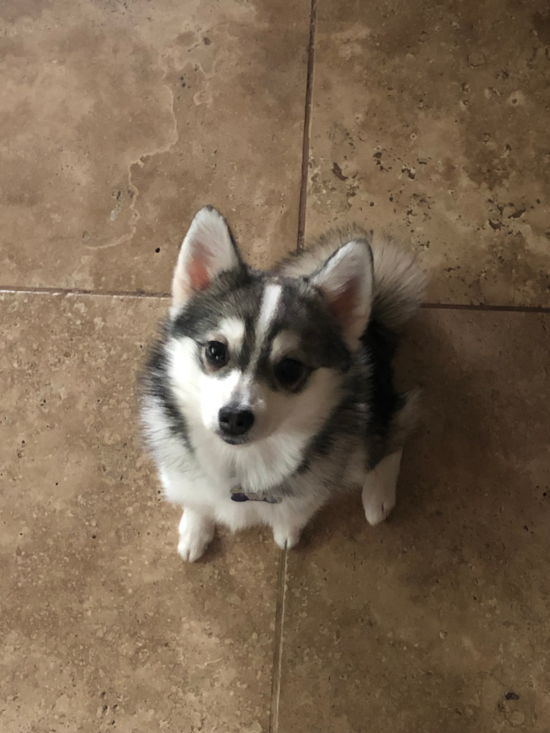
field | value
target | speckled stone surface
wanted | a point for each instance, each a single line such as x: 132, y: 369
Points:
x: 438, y: 620
x: 102, y: 626
x: 119, y: 120
x: 430, y: 121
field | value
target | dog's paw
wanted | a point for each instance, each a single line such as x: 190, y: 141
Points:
x: 379, y: 489
x: 377, y: 508
x: 286, y: 538
x: 196, y: 533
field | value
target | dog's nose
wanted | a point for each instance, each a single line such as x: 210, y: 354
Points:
x: 235, y: 420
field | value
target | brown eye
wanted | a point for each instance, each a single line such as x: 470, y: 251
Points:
x: 216, y: 354
x: 289, y: 372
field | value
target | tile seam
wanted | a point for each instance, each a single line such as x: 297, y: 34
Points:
x: 74, y: 292
x: 486, y: 307
x: 67, y: 292
x: 278, y: 645
x: 307, y: 127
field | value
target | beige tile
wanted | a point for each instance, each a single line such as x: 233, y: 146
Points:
x: 119, y: 120
x: 438, y: 620
x: 430, y: 121
x: 102, y: 626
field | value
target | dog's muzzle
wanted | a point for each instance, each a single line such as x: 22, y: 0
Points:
x: 234, y: 423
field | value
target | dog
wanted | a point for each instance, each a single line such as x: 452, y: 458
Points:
x: 269, y: 393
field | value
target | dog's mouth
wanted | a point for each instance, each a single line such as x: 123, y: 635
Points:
x: 233, y: 439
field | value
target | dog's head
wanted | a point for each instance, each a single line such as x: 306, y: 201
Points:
x: 253, y: 354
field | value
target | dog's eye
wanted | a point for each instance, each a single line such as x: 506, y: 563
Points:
x: 216, y: 354
x: 289, y: 372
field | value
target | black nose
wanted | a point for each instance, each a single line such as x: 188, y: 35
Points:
x: 235, y: 420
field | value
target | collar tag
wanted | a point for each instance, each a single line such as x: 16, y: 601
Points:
x: 237, y: 494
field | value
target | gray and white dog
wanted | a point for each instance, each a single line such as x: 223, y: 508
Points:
x: 268, y: 393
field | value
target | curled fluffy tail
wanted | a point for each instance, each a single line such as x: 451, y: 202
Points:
x: 399, y: 284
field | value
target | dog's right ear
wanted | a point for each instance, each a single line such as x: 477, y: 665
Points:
x: 207, y: 250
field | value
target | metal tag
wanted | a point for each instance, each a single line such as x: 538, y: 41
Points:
x: 237, y: 494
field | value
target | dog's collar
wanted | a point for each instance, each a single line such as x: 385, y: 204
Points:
x: 237, y: 494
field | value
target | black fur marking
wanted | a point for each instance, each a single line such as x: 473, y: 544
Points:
x: 307, y: 314
x: 248, y: 343
x: 303, y: 311
x: 371, y: 401
x: 380, y: 344
x: 156, y: 384
x: 202, y: 313
x: 345, y: 419
x: 239, y: 291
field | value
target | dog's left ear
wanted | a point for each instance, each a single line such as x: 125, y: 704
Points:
x: 207, y: 250
x: 346, y: 281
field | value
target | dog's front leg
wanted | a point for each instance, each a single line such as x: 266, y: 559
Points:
x: 289, y: 522
x: 287, y: 535
x: 196, y: 533
x: 379, y: 488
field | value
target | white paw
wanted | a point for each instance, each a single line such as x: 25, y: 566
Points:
x: 286, y: 538
x: 196, y: 533
x: 379, y: 489
x: 377, y: 508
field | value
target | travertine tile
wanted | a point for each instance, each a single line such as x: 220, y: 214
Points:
x: 102, y: 626
x: 119, y: 120
x: 438, y: 620
x: 429, y: 120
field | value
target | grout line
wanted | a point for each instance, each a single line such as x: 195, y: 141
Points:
x: 483, y: 307
x: 307, y: 126
x: 79, y: 291
x: 278, y: 647
x: 66, y: 292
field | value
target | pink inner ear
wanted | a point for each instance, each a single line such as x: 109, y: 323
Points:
x: 344, y: 302
x: 198, y: 274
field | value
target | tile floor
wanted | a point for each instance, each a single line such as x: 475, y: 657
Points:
x: 117, y: 121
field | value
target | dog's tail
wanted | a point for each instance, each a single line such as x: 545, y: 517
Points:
x: 399, y: 285
x: 399, y: 282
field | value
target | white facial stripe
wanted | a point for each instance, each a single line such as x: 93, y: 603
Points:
x: 244, y: 390
x: 270, y: 301
x: 284, y: 343
x: 232, y: 329
x: 216, y: 392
